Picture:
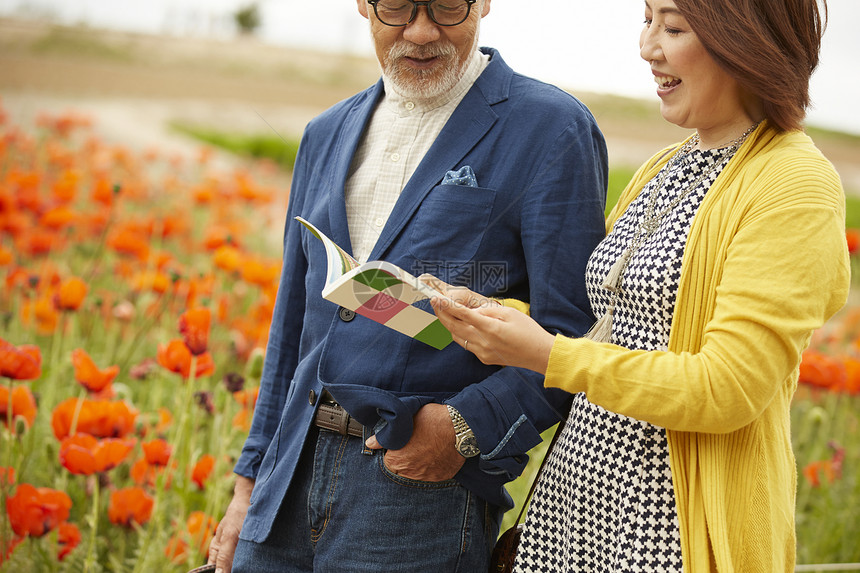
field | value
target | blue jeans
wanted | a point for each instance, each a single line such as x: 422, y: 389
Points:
x: 346, y: 513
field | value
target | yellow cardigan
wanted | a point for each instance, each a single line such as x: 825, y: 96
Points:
x: 766, y: 263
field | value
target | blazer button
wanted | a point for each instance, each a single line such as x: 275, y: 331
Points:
x: 346, y: 315
x: 312, y: 397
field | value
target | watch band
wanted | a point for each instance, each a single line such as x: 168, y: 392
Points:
x: 460, y: 424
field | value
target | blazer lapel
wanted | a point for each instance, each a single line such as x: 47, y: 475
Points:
x: 472, y: 119
x: 351, y: 133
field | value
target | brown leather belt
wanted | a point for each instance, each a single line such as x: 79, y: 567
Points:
x: 331, y: 416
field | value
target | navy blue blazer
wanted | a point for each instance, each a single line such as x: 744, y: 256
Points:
x: 525, y: 232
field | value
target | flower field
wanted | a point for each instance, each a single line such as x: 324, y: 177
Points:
x: 138, y: 291
x: 137, y: 295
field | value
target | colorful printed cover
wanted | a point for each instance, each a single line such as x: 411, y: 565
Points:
x: 380, y: 291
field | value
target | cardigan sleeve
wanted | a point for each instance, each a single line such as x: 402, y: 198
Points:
x: 785, y: 272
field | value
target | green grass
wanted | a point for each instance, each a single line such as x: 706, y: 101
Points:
x: 258, y: 146
x: 76, y: 42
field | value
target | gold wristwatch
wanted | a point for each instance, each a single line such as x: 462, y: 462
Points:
x: 466, y: 442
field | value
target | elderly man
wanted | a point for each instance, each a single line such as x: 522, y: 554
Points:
x: 369, y: 450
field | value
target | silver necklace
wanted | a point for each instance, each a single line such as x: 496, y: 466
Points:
x: 650, y: 222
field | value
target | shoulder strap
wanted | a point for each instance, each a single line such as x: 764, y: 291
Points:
x: 540, y: 470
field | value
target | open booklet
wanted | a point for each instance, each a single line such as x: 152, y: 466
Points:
x: 380, y: 291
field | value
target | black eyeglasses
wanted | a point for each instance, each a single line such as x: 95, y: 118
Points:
x: 401, y: 12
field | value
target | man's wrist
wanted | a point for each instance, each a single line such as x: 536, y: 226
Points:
x: 465, y: 441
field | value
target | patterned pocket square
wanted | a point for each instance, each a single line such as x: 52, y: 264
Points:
x: 464, y: 177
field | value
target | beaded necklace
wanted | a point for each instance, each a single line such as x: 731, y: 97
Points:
x: 601, y: 331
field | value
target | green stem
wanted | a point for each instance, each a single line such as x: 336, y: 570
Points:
x: 94, y: 519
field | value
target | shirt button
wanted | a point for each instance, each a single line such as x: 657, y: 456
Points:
x: 395, y: 157
x: 347, y: 315
x: 312, y: 397
x: 410, y: 106
x: 379, y: 222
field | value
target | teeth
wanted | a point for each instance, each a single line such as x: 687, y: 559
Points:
x: 666, y: 81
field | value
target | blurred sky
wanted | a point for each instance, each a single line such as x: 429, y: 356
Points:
x: 580, y: 45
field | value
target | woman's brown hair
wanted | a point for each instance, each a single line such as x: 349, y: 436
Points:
x: 769, y: 46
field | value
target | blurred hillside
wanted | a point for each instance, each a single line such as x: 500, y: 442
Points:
x: 134, y: 86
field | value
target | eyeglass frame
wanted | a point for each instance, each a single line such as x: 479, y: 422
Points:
x: 417, y: 4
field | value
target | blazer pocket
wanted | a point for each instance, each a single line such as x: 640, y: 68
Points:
x: 449, y: 226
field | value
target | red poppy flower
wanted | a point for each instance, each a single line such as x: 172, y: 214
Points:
x: 7, y: 547
x: 130, y: 505
x: 23, y: 404
x: 176, y: 357
x: 84, y: 454
x: 194, y: 327
x: 36, y: 511
x: 99, y: 418
x: 157, y: 452
x: 71, y: 294
x: 7, y: 476
x: 20, y: 362
x: 69, y: 536
x: 202, y: 470
x: 89, y: 375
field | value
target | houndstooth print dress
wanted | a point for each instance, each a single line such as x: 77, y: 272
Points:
x: 605, y: 501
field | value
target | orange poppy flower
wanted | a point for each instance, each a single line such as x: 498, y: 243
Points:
x: 84, y: 454
x: 157, y: 282
x: 57, y: 217
x: 259, y: 272
x: 227, y: 258
x: 38, y: 241
x: 65, y: 188
x: 130, y: 505
x: 202, y: 470
x: 43, y: 313
x: 104, y: 192
x: 176, y: 357
x: 6, y: 256
x: 7, y: 476
x: 248, y: 400
x: 36, y: 511
x: 69, y: 537
x: 99, y: 418
x: 127, y: 241
x: 23, y: 405
x: 145, y: 474
x: 814, y: 470
x: 157, y: 452
x: 822, y: 371
x: 852, y: 375
x: 20, y: 362
x: 852, y: 236
x: 194, y: 326
x: 71, y: 294
x: 199, y: 530
x: 89, y: 375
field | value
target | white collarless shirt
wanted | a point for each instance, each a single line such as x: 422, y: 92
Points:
x: 397, y: 137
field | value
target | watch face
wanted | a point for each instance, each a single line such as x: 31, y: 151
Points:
x: 468, y: 446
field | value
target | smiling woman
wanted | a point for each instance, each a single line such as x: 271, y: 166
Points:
x: 676, y: 454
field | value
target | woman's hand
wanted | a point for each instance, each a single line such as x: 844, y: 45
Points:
x: 458, y: 294
x: 497, y: 335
